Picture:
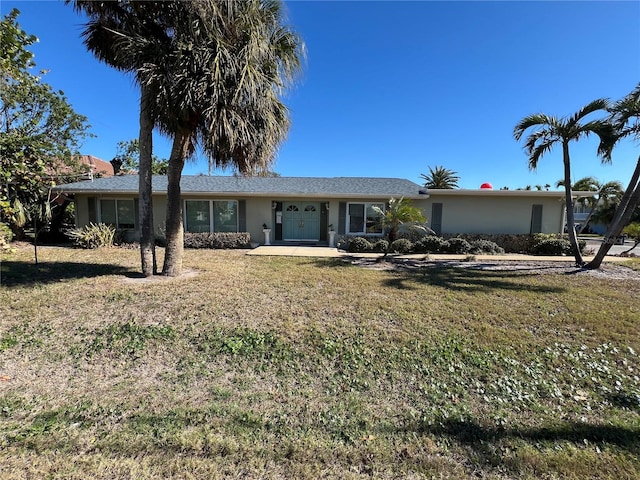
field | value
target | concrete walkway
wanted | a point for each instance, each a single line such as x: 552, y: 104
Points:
x: 326, y: 252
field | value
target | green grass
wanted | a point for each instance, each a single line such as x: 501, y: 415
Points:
x: 271, y: 367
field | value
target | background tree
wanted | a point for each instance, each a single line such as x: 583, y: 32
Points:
x: 633, y: 232
x: 39, y: 131
x: 127, y: 159
x: 440, y: 177
x: 549, y: 131
x: 625, y: 116
x: 608, y: 193
x: 400, y: 213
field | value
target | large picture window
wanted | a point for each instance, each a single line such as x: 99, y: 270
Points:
x: 211, y: 216
x: 362, y: 219
x: 119, y: 213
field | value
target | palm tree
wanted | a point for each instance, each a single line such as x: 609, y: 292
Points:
x: 399, y: 213
x: 550, y: 130
x: 625, y: 116
x: 211, y: 74
x: 220, y: 90
x: 440, y: 177
x: 128, y: 36
x: 607, y: 192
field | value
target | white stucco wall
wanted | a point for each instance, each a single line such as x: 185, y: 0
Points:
x: 494, y: 214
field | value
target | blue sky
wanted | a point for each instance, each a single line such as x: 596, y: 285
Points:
x: 391, y: 88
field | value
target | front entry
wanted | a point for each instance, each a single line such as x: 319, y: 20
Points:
x: 301, y: 221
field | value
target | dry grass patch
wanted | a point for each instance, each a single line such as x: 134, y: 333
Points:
x: 273, y: 367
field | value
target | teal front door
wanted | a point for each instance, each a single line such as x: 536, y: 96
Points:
x: 301, y: 221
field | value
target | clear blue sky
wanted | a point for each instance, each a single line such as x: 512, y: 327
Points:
x: 391, y: 88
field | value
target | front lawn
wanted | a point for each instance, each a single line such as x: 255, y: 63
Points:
x: 275, y: 367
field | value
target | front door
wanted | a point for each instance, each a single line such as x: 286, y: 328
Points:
x: 301, y: 221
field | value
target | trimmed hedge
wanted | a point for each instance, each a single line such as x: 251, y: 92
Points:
x: 216, y: 240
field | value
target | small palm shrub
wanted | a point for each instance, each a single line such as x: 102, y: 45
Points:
x: 380, y: 246
x: 486, y: 246
x: 94, y: 235
x: 431, y: 244
x: 360, y: 245
x: 401, y: 245
x: 458, y: 246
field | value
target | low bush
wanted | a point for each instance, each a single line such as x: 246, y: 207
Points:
x: 485, y: 246
x: 458, y: 246
x: 380, y: 246
x: 401, y: 245
x: 552, y: 246
x: 94, y: 235
x: 431, y: 244
x: 216, y: 240
x: 359, y: 245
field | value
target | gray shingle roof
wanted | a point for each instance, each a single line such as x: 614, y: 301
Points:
x: 258, y: 186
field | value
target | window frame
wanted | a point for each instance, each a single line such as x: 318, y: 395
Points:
x: 212, y: 222
x: 116, y: 200
x: 366, y: 207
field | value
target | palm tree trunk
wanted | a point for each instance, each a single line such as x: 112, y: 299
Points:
x: 175, y: 234
x: 145, y: 208
x: 573, y: 238
x: 628, y: 203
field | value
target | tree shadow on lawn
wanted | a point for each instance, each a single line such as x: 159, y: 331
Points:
x: 485, y: 443
x: 471, y: 280
x: 16, y: 274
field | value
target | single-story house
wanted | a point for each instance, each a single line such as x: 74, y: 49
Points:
x: 301, y: 209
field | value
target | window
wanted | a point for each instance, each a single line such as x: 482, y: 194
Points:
x: 119, y: 213
x: 210, y: 216
x: 197, y: 216
x: 362, y: 219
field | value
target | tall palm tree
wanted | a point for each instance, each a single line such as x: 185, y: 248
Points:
x: 127, y: 36
x: 625, y: 116
x: 211, y: 74
x: 440, y: 177
x: 549, y: 131
x: 220, y: 90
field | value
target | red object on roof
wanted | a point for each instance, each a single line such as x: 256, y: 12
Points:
x: 486, y: 186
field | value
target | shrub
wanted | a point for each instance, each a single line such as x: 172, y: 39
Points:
x: 552, y: 246
x: 6, y: 235
x: 381, y: 246
x: 401, y: 245
x: 458, y: 246
x: 360, y: 245
x: 431, y: 244
x: 93, y: 235
x: 486, y: 246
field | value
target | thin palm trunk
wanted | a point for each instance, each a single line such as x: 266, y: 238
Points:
x: 629, y: 200
x: 573, y: 238
x: 145, y: 209
x: 175, y: 234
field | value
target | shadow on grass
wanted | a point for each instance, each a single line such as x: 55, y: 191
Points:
x: 474, y: 434
x: 472, y: 280
x: 15, y: 274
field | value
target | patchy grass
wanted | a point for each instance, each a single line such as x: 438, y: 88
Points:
x: 272, y: 367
